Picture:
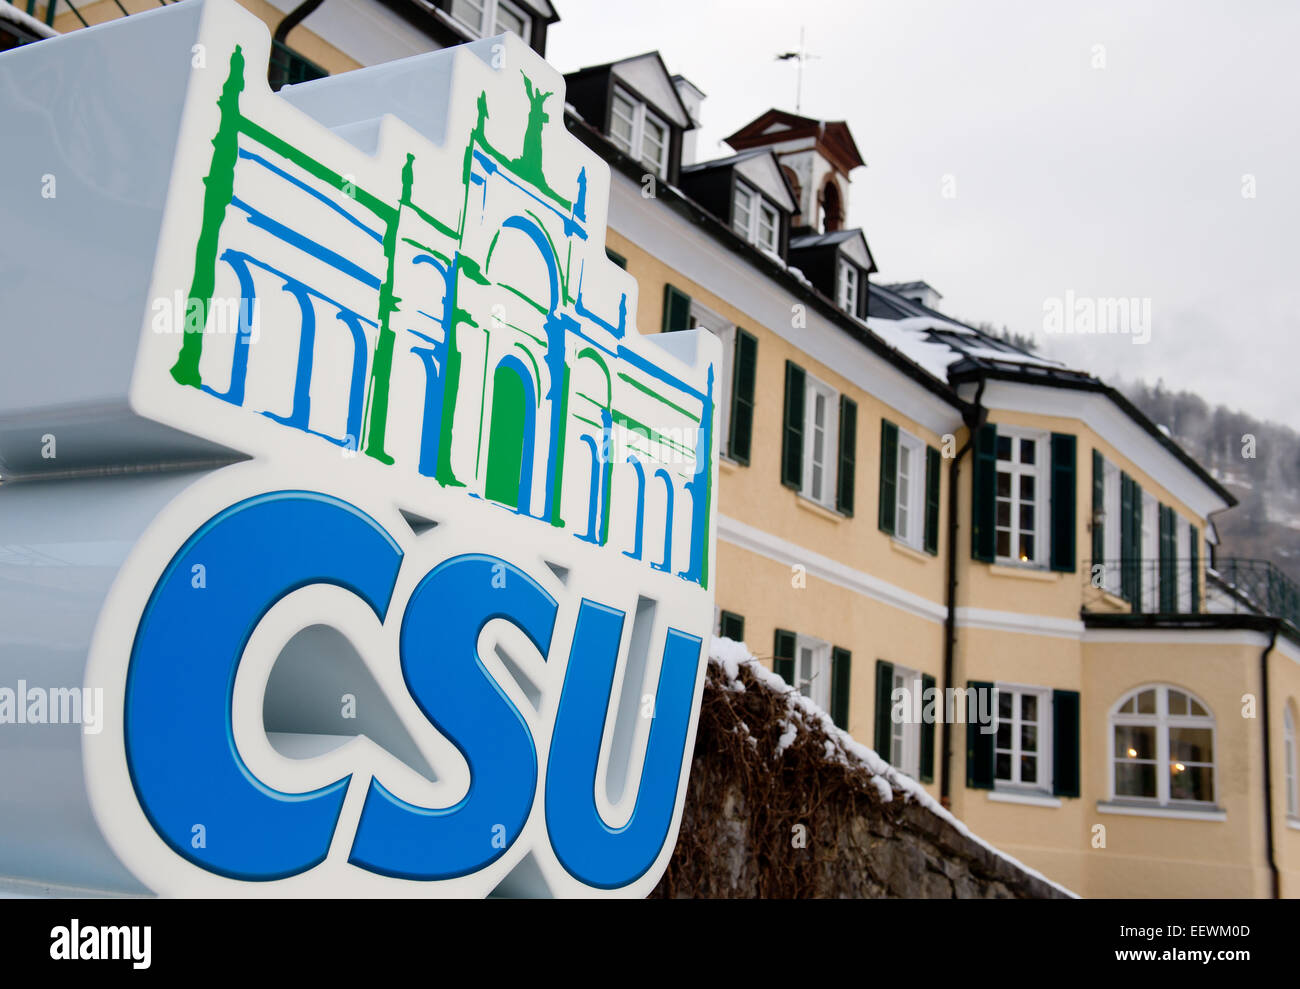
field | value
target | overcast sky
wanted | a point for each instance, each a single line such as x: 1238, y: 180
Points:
x: 1006, y: 169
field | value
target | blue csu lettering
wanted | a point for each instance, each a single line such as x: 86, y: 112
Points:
x: 180, y: 745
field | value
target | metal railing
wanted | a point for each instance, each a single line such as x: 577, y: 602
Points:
x: 1184, y: 586
x: 1144, y: 586
x: 287, y: 67
x: 1258, y: 586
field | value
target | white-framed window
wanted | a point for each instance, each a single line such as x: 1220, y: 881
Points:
x: 1289, y: 750
x: 501, y: 15
x: 1150, y: 568
x: 905, y: 740
x: 812, y: 670
x: 848, y: 286
x: 1111, y: 533
x: 1162, y: 748
x: 638, y: 131
x: 726, y: 332
x: 754, y: 218
x: 1022, y: 747
x: 821, y: 441
x: 1021, y: 498
x: 909, y: 491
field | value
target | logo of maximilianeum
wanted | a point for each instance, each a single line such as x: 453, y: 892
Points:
x: 532, y: 395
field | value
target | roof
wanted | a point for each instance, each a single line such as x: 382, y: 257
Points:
x: 911, y: 287
x: 773, y: 181
x: 821, y: 240
x: 833, y: 137
x: 962, y: 353
x: 672, y: 102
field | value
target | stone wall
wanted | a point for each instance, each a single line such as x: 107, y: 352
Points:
x: 781, y: 803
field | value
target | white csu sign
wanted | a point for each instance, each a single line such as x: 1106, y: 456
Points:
x: 418, y: 603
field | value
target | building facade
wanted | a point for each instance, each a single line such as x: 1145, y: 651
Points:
x: 990, y: 567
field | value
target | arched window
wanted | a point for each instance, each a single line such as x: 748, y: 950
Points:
x: 832, y: 207
x: 797, y: 189
x: 1162, y: 747
x: 1289, y: 753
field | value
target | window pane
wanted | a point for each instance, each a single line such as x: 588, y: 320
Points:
x: 1029, y: 769
x: 1004, y: 735
x: 1135, y: 742
x: 1027, y: 487
x: 508, y: 20
x: 1135, y: 779
x: 1026, y: 518
x: 1191, y: 744
x: 1004, y: 543
x: 1004, y: 447
x: 1029, y: 707
x: 1004, y: 514
x: 1004, y: 484
x: 468, y: 12
x: 1199, y: 711
x: 742, y: 209
x: 1028, y: 738
x: 1006, y: 704
x: 1146, y: 702
x: 620, y: 123
x: 1026, y: 548
x: 1003, y: 771
x: 1177, y: 702
x: 1027, y: 450
x: 766, y: 227
x: 1129, y: 706
x: 1191, y: 782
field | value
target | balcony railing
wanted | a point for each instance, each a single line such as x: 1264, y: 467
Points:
x: 288, y: 68
x: 1186, y: 586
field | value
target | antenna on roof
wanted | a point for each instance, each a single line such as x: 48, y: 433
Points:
x: 800, y: 56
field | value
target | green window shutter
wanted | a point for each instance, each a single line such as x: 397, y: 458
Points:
x: 932, y: 469
x: 884, y: 723
x: 927, y: 731
x: 1063, y: 501
x: 1065, y: 743
x: 1128, y: 570
x: 1098, y: 508
x: 979, y: 744
x: 888, y: 475
x: 1194, y: 563
x: 677, y: 309
x: 841, y: 680
x: 1137, y: 564
x: 1168, y: 566
x: 744, y: 374
x: 783, y: 656
x: 618, y: 259
x: 984, y: 494
x: 731, y: 626
x: 848, y: 454
x: 792, y: 436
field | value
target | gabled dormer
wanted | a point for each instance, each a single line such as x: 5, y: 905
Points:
x: 837, y: 264
x: 817, y: 157
x: 637, y: 106
x: 749, y: 193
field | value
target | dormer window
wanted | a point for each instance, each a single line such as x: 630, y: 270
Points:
x: 848, y: 287
x: 754, y: 218
x: 487, y: 18
x: 637, y: 131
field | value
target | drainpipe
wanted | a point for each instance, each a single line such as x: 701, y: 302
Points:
x: 1268, y: 762
x: 294, y: 18
x: 973, y: 417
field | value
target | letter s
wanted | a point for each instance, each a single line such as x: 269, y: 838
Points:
x: 453, y: 688
x: 180, y: 746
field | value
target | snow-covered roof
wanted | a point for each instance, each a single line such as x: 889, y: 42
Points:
x: 936, y: 341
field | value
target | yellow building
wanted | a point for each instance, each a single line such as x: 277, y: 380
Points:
x: 918, y: 522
